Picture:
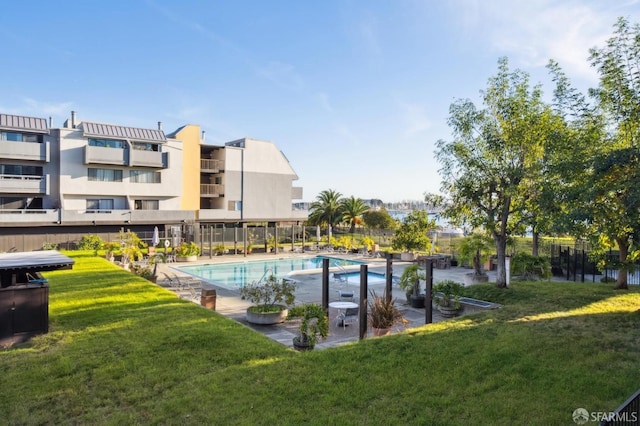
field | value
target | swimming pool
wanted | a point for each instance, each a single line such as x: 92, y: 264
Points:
x: 235, y: 275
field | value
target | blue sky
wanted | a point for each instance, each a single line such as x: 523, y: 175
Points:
x: 355, y: 93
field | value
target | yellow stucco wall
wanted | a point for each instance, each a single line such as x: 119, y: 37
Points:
x: 190, y: 137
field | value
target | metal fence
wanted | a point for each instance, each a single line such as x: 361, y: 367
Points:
x: 574, y: 264
x: 627, y: 414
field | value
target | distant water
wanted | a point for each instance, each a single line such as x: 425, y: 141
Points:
x: 442, y: 223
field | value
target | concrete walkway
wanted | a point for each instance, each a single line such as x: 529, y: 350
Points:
x: 309, y: 290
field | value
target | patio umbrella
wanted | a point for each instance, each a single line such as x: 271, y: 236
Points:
x: 318, y: 233
x: 155, y: 240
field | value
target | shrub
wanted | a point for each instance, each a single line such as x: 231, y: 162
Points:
x: 530, y: 267
x: 49, y: 246
x: 447, y: 293
x: 188, y: 249
x: 90, y: 242
x: 383, y: 312
x: 267, y: 294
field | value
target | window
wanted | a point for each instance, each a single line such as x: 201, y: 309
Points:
x: 146, y: 205
x: 99, y: 205
x: 20, y: 170
x: 235, y: 206
x: 18, y: 137
x: 145, y: 176
x: 108, y: 143
x: 105, y: 175
x: 145, y: 146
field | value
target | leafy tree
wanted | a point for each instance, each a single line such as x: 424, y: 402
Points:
x: 475, y: 248
x: 352, y: 209
x: 378, y: 219
x: 616, y: 193
x: 495, y: 155
x: 325, y: 210
x: 597, y: 190
x: 411, y: 235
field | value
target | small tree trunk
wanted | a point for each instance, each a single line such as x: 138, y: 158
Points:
x: 501, y: 249
x: 536, y: 243
x: 477, y: 269
x: 621, y: 282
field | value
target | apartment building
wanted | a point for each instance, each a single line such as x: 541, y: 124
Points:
x: 88, y: 176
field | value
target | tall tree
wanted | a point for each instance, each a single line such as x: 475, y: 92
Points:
x: 326, y: 210
x: 352, y: 209
x: 495, y: 154
x: 616, y: 192
x: 379, y: 219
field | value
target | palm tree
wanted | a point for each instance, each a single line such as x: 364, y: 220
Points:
x: 352, y: 209
x: 326, y: 209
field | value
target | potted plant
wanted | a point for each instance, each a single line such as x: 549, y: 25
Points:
x: 410, y: 283
x: 475, y: 248
x: 446, y: 296
x: 314, y: 325
x: 219, y: 250
x: 383, y: 314
x: 411, y: 235
x: 267, y: 298
x: 187, y: 252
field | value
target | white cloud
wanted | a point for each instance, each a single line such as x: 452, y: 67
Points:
x: 415, y: 118
x: 282, y: 74
x: 323, y: 98
x: 532, y: 32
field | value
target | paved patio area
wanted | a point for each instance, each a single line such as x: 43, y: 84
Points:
x: 309, y: 290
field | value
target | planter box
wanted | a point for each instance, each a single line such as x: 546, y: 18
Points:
x: 407, y: 256
x: 269, y: 318
x: 193, y: 258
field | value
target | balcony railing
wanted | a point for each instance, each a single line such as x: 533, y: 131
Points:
x: 104, y: 155
x: 211, y: 190
x: 208, y: 165
x: 28, y: 216
x: 30, y: 151
x: 24, y: 184
x: 141, y: 158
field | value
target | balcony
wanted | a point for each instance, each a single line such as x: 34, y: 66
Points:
x: 113, y: 216
x: 23, y: 184
x: 22, y: 217
x: 211, y: 166
x: 211, y: 190
x: 140, y: 158
x: 28, y: 151
x: 104, y: 155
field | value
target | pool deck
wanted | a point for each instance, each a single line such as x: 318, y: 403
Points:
x: 309, y: 289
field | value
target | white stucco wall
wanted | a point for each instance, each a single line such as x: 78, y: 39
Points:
x: 75, y: 186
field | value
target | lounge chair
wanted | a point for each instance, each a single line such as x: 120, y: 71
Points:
x: 349, y: 316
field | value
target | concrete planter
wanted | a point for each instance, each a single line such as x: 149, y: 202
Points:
x: 268, y: 318
x: 193, y: 258
x: 407, y: 256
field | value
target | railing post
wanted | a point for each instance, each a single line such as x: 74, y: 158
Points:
x: 363, y: 301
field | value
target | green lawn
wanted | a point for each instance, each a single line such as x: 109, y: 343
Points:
x: 123, y: 351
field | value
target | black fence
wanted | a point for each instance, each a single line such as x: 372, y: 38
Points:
x: 627, y: 414
x: 574, y: 264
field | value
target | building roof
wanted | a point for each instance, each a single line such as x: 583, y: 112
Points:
x: 122, y: 132
x: 19, y: 122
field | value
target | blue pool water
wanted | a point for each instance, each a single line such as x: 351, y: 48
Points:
x: 235, y: 275
x: 353, y: 278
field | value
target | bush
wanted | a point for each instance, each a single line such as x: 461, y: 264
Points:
x: 188, y: 249
x: 265, y: 295
x: 530, y: 267
x: 90, y: 242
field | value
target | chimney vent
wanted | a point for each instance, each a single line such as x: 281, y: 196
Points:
x: 73, y: 119
x: 50, y: 122
x: 160, y: 125
x: 204, y: 136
